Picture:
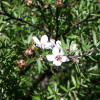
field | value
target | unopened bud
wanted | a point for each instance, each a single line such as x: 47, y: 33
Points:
x: 58, y: 3
x: 21, y: 63
x: 28, y: 52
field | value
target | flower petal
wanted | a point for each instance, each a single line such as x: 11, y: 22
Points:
x: 53, y: 42
x: 74, y: 47
x: 65, y: 59
x: 55, y: 50
x: 58, y: 44
x: 44, y: 39
x: 36, y: 40
x: 48, y: 45
x: 50, y: 57
x: 57, y: 63
x: 61, y: 51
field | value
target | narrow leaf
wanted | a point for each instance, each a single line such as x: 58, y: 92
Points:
x: 36, y: 52
x: 63, y: 44
x: 73, y: 37
x: 6, y: 3
x: 39, y: 65
x: 62, y: 87
x: 73, y: 79
x: 50, y: 90
x: 94, y: 37
x: 93, y: 68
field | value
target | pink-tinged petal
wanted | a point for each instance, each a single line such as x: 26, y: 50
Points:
x: 50, y: 57
x: 57, y: 63
x: 44, y: 39
x: 65, y: 59
x: 36, y: 40
x: 55, y: 50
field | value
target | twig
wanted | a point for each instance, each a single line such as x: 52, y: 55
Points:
x: 51, y: 11
x: 57, y: 24
x: 22, y: 20
x: 81, y: 21
x: 86, y: 53
x: 42, y: 13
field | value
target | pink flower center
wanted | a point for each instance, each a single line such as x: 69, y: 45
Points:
x: 58, y: 57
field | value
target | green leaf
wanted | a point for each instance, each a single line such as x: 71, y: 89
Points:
x: 73, y: 37
x: 36, y: 98
x: 82, y: 39
x: 52, y: 96
x: 92, y: 59
x: 1, y: 18
x: 44, y: 53
x: 63, y: 44
x: 36, y: 52
x: 94, y: 38
x: 55, y: 86
x: 85, y: 85
x: 93, y: 68
x: 73, y: 79
x: 71, y: 46
x: 50, y: 90
x: 29, y: 38
x: 68, y: 84
x: 72, y: 88
x: 62, y: 87
x: 6, y: 3
x: 68, y: 41
x: 94, y: 74
x: 31, y: 60
x: 39, y: 65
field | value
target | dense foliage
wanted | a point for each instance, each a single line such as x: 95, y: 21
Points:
x: 32, y: 70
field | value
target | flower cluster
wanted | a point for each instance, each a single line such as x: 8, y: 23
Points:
x: 58, y: 54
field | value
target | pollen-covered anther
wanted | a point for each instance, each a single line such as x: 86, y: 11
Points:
x: 28, y: 52
x: 58, y: 3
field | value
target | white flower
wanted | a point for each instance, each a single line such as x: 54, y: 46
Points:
x: 57, y: 57
x: 43, y: 42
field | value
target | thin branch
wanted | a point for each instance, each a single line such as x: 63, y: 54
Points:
x: 57, y: 24
x: 51, y: 11
x: 86, y: 53
x: 22, y: 20
x: 42, y: 13
x: 81, y: 21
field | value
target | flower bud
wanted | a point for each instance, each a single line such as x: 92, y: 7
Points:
x: 33, y: 46
x: 32, y: 13
x: 28, y: 3
x: 68, y: 49
x: 58, y: 3
x: 28, y: 52
x: 21, y: 63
